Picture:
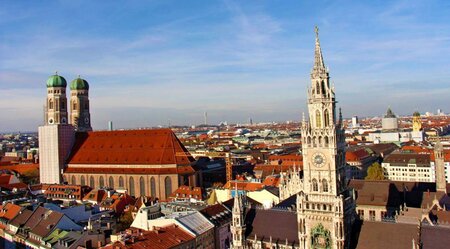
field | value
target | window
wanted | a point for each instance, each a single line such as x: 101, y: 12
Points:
x: 111, y: 182
x: 318, y: 119
x: 315, y: 186
x: 168, y: 186
x: 74, y: 181
x: 101, y: 182
x: 372, y: 215
x: 74, y: 106
x: 153, y: 187
x: 324, y: 185
x: 82, y: 181
x: 91, y: 182
x: 50, y: 104
x: 361, y: 214
x: 141, y: 186
x: 121, y: 185
x: 326, y: 118
x: 131, y: 182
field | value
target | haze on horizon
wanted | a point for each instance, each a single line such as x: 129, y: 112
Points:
x: 149, y: 63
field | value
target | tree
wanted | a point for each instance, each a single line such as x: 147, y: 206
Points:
x: 375, y: 172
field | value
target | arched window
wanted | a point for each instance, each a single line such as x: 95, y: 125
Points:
x: 101, y: 182
x: 111, y: 182
x: 323, y: 87
x: 326, y: 118
x: 82, y: 181
x: 315, y: 186
x: 326, y: 141
x: 309, y: 140
x: 317, y: 88
x: 168, y: 186
x: 141, y: 186
x: 153, y: 187
x: 74, y: 106
x: 121, y: 185
x: 74, y: 181
x: 50, y: 104
x: 131, y: 182
x: 318, y: 119
x: 324, y: 185
x: 91, y: 182
x: 320, y: 141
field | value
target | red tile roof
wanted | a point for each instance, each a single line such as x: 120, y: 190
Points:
x: 148, y: 147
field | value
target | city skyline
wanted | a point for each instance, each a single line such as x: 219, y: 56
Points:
x: 233, y: 60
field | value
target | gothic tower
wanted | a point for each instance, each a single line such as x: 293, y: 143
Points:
x: 325, y: 208
x: 56, y: 105
x: 441, y: 183
x: 80, y: 116
x: 238, y: 223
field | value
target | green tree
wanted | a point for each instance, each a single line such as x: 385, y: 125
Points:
x: 125, y: 221
x: 375, y: 172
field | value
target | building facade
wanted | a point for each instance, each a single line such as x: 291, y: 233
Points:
x: 325, y: 210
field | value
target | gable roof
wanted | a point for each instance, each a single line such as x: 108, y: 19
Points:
x: 376, y: 235
x: 147, y: 147
x: 260, y: 222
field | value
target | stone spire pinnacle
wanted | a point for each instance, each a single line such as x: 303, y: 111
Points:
x: 319, y: 65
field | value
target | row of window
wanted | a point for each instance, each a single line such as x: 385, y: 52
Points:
x: 131, y: 184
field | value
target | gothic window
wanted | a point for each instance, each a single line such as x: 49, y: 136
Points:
x: 101, y: 182
x: 326, y: 141
x: 74, y: 106
x: 323, y: 87
x: 320, y: 141
x: 111, y: 182
x: 315, y: 186
x: 91, y: 182
x: 141, y: 186
x: 318, y: 119
x: 326, y: 118
x: 153, y: 187
x: 131, y: 182
x: 50, y: 104
x: 121, y: 185
x: 82, y: 181
x: 324, y: 185
x: 317, y: 88
x: 168, y: 186
x: 309, y: 140
x: 74, y: 181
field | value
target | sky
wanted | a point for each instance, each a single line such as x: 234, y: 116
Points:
x: 163, y: 62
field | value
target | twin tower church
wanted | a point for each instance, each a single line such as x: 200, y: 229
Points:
x: 318, y: 210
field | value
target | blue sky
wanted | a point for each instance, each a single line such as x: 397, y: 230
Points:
x: 154, y: 62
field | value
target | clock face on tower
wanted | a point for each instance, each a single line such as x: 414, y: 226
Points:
x: 86, y: 120
x: 318, y: 160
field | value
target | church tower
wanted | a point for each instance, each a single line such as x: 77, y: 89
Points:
x: 417, y: 122
x: 80, y: 116
x: 441, y: 183
x: 56, y: 105
x: 56, y: 136
x: 325, y: 207
x: 238, y: 223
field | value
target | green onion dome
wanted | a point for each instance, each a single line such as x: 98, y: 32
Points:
x: 79, y: 84
x: 56, y: 81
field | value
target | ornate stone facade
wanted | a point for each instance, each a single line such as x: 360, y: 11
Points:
x: 325, y: 210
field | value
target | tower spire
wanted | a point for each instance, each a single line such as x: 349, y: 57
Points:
x: 319, y: 65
